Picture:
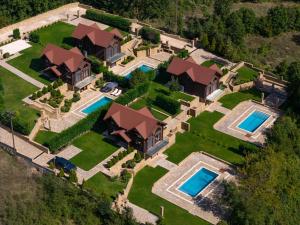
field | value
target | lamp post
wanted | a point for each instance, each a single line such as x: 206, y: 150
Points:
x: 11, y: 115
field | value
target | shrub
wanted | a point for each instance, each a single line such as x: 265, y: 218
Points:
x: 138, y: 157
x: 168, y: 104
x: 44, y: 90
x: 110, y: 76
x: 76, y: 97
x: 125, y: 176
x: 97, y: 66
x: 50, y: 87
x: 183, y: 54
x: 132, y: 94
x: 99, y: 83
x: 111, y: 20
x: 138, y: 77
x: 33, y: 96
x: 174, y: 86
x: 39, y: 94
x: 6, y: 55
x: 150, y: 34
x: 73, y: 176
x: 67, y: 106
x: 61, y: 173
x: 16, y: 34
x: 34, y: 37
x: 68, y: 135
x: 127, y: 60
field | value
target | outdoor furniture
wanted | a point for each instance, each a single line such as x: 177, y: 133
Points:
x: 118, y: 93
x: 114, y: 91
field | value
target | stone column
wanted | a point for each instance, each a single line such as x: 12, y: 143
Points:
x: 262, y: 97
x: 78, y: 13
x: 162, y: 211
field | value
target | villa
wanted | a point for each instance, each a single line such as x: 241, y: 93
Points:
x: 137, y: 128
x: 69, y: 65
x: 103, y: 44
x: 196, y: 79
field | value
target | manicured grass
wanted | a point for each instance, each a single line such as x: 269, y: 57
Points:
x: 209, y: 63
x: 30, y: 61
x: 245, y: 74
x: 95, y: 149
x: 15, y: 90
x: 43, y: 136
x: 142, y: 103
x: 203, y: 137
x: 100, y: 184
x: 231, y: 100
x: 141, y: 195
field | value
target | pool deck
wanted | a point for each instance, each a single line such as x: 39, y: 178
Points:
x: 230, y: 122
x: 205, y: 204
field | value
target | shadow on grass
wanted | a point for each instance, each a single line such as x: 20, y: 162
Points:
x: 38, y: 66
x: 69, y: 41
x: 296, y: 39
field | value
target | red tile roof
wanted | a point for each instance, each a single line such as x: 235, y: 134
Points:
x: 127, y: 119
x: 197, y: 73
x: 71, y: 58
x: 97, y: 36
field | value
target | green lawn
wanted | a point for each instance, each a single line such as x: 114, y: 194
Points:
x: 95, y: 149
x: 141, y: 195
x: 43, y: 136
x: 29, y: 62
x: 231, y: 100
x: 100, y: 184
x: 142, y: 103
x: 16, y: 89
x: 209, y: 63
x: 155, y: 89
x: 245, y: 74
x: 203, y: 137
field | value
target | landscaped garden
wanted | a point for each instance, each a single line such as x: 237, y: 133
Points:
x: 206, y: 138
x: 29, y: 62
x: 231, y: 100
x: 210, y: 62
x: 95, y: 149
x: 100, y: 184
x: 245, y: 74
x: 141, y: 195
x: 15, y: 90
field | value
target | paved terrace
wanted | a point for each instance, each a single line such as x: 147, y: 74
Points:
x: 205, y: 205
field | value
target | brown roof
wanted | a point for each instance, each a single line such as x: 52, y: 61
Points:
x: 127, y: 119
x: 97, y: 36
x: 71, y: 58
x: 197, y: 73
x: 216, y: 68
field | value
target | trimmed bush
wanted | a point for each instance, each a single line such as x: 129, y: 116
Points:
x: 110, y: 76
x: 76, y: 97
x: 132, y: 94
x: 168, y: 104
x: 16, y: 34
x: 111, y: 20
x: 20, y: 124
x: 150, y: 34
x: 34, y: 37
x: 84, y: 125
x: 6, y: 55
x: 174, y: 86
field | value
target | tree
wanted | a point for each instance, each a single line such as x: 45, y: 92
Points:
x: 61, y: 173
x: 34, y: 37
x: 138, y: 77
x: 212, y: 46
x: 204, y: 40
x: 248, y: 18
x: 73, y: 176
x: 222, y: 8
x: 235, y: 28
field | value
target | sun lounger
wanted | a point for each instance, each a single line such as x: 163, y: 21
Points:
x: 118, y: 93
x: 115, y: 91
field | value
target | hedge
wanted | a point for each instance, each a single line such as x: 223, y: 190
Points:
x: 132, y: 94
x: 168, y: 104
x: 110, y: 76
x: 20, y: 124
x: 111, y: 20
x: 150, y: 34
x: 65, y: 137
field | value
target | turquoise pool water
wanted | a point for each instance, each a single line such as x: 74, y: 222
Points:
x: 254, y: 121
x: 96, y: 105
x: 200, y: 180
x: 143, y: 68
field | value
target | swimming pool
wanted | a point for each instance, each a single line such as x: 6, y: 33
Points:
x: 96, y: 105
x: 200, y: 180
x: 253, y: 121
x: 143, y: 68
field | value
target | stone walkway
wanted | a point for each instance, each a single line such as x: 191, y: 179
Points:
x: 21, y: 74
x: 22, y: 146
x: 142, y: 215
x: 217, y: 106
x: 69, y: 152
x: 161, y: 160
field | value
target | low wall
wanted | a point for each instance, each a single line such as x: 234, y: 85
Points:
x: 241, y: 87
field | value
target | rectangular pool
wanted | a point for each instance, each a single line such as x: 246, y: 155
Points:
x: 143, y: 68
x: 253, y: 121
x: 200, y: 180
x: 96, y: 105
